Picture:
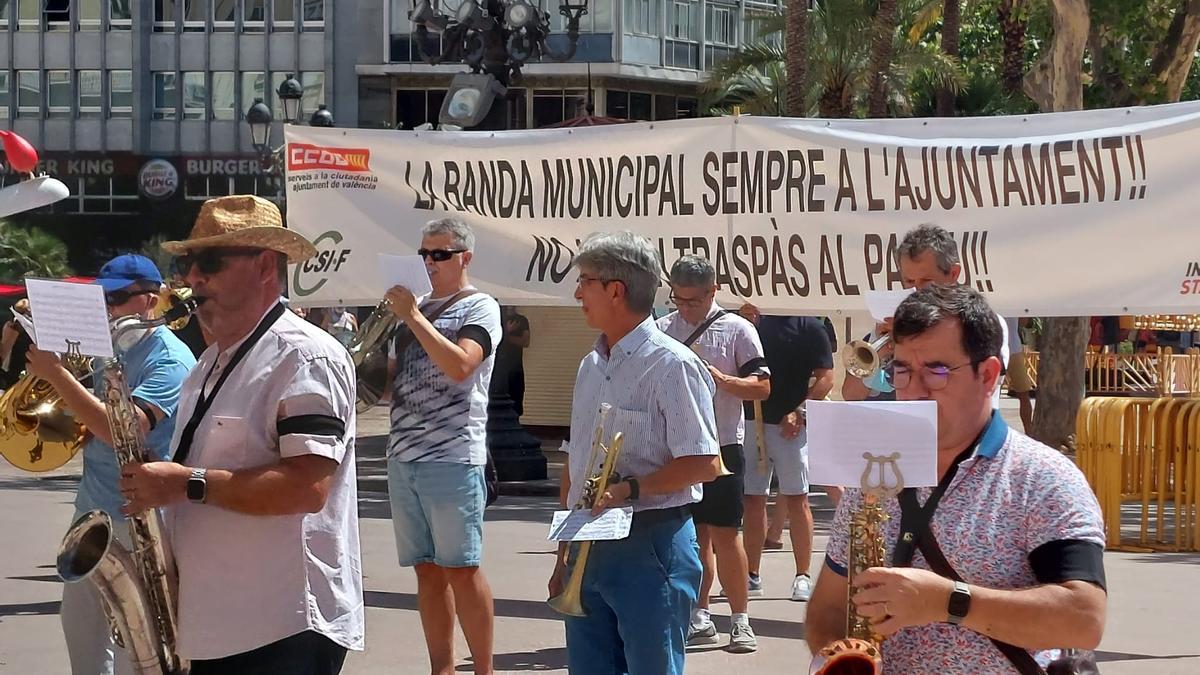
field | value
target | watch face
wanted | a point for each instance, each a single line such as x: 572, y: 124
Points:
x: 960, y: 604
x: 196, y: 489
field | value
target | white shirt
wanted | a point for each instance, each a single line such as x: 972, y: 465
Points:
x: 246, y: 581
x: 661, y: 397
x: 731, y: 345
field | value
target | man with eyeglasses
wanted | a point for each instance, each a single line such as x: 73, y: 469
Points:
x: 439, y: 369
x: 155, y: 368
x: 1014, y: 518
x: 730, y: 348
x: 261, y: 507
x: 927, y: 255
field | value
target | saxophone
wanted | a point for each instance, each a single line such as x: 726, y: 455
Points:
x: 138, y: 587
x: 859, y: 652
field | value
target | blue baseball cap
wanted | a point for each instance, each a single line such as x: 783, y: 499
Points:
x: 127, y: 269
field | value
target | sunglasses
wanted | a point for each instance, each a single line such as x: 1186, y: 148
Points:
x: 212, y: 260
x: 439, y: 254
x: 116, y: 298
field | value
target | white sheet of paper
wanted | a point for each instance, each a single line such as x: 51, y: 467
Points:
x: 883, y: 304
x: 404, y: 270
x: 67, y: 311
x: 27, y: 325
x: 579, y: 525
x: 839, y: 432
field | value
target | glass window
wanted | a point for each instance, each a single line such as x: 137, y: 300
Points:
x: 4, y: 13
x: 602, y: 15
x: 120, y: 93
x: 642, y: 17
x: 223, y: 90
x: 29, y: 14
x: 193, y: 15
x: 29, y: 93
x: 314, y: 11
x: 314, y: 92
x: 195, y: 95
x: 284, y: 16
x: 617, y: 104
x: 164, y: 15
x: 89, y: 13
x: 641, y: 106
x: 58, y: 87
x: 551, y: 105
x: 166, y: 105
x: 253, y: 86
x: 681, y: 24
x: 58, y: 14
x: 254, y: 13
x: 718, y: 25
x: 118, y: 13
x: 91, y: 95
x: 4, y: 95
x: 224, y: 14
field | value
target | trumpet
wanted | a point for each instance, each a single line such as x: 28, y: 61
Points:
x: 862, y: 358
x: 570, y: 601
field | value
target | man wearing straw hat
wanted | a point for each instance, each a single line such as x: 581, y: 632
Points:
x: 262, y: 502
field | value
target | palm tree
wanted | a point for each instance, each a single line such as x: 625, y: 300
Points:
x: 951, y: 21
x: 30, y: 252
x: 883, y: 41
x: 838, y: 63
x: 796, y: 38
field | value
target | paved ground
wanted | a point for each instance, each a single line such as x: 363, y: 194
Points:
x: 1152, y: 624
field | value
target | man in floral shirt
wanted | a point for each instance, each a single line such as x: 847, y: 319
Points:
x: 1017, y: 520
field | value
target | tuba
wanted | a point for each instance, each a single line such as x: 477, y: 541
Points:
x: 570, y: 601
x: 138, y: 586
x: 37, y: 431
x: 859, y: 652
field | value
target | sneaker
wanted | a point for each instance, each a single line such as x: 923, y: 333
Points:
x: 801, y: 588
x: 705, y: 634
x: 741, y: 639
x: 769, y: 545
x: 755, y: 586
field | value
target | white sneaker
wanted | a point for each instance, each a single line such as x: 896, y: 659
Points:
x: 801, y: 588
x: 702, y: 634
x: 742, y: 639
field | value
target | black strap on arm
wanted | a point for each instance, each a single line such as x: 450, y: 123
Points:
x: 703, y: 327
x: 916, y: 533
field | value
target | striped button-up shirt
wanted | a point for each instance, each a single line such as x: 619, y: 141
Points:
x: 662, y: 401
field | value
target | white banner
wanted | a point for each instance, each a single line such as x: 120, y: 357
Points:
x: 1062, y: 214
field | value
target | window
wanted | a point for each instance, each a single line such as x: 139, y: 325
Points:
x: 754, y: 28
x: 253, y: 86
x: 29, y: 14
x: 284, y: 16
x: 314, y: 13
x: 29, y: 93
x: 314, y: 92
x: 195, y: 96
x: 415, y: 107
x: 642, y: 17
x: 120, y: 93
x: 164, y: 15
x: 224, y: 14
x: 206, y: 187
x: 166, y: 105
x: 58, y: 14
x: 91, y: 95
x: 58, y: 85
x: 224, y: 85
x: 118, y: 14
x: 101, y: 194
x: 193, y: 15
x: 718, y: 25
x: 4, y: 96
x: 273, y: 97
x: 681, y: 24
x: 4, y: 14
x: 254, y: 13
x: 555, y: 105
x: 89, y: 13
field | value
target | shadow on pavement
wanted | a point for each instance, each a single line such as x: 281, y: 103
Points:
x: 1104, y: 657
x: 30, y: 609
x: 551, y: 658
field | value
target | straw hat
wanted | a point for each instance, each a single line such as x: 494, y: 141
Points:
x: 242, y: 220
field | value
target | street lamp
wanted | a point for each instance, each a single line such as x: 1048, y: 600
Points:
x: 290, y: 92
x: 321, y: 117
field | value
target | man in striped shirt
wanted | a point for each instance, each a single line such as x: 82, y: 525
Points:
x: 639, y: 591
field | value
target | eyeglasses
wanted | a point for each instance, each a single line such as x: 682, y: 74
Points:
x: 212, y: 260
x: 933, y: 377
x: 439, y: 254
x: 116, y: 298
x: 687, y: 302
x: 585, y: 279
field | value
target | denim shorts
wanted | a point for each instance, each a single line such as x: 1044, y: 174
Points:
x: 437, y: 512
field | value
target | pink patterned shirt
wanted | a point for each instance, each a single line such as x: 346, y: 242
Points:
x: 1011, y: 496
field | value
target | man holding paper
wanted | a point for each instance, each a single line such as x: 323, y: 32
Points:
x: 440, y: 366
x: 1011, y: 517
x: 155, y: 368
x: 638, y: 592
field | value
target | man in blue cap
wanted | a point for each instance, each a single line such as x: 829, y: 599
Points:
x: 154, y: 368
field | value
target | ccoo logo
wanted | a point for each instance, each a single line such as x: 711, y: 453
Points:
x: 302, y: 157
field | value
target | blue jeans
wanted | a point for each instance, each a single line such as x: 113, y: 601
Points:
x: 638, y: 593
x: 437, y: 512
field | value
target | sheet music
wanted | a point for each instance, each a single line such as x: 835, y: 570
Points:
x: 883, y: 304
x: 579, y: 525
x: 405, y: 270
x: 65, y: 311
x: 839, y: 432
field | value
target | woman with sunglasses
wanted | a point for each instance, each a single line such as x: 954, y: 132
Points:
x: 155, y: 368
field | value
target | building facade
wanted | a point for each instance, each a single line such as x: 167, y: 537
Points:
x: 139, y: 105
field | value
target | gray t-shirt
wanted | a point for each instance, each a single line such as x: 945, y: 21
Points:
x: 434, y: 418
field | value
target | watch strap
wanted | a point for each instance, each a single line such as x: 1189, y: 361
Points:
x: 960, y: 603
x: 635, y: 489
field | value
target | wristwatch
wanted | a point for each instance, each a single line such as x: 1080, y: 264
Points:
x: 960, y: 603
x: 635, y: 489
x: 197, y: 486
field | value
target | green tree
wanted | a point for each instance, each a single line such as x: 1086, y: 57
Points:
x: 30, y: 251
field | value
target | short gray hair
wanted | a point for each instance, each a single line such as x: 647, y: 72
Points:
x: 464, y: 238
x: 930, y: 237
x: 625, y: 257
x: 692, y: 271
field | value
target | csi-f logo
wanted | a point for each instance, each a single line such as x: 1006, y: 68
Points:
x: 329, y: 259
x: 302, y: 156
